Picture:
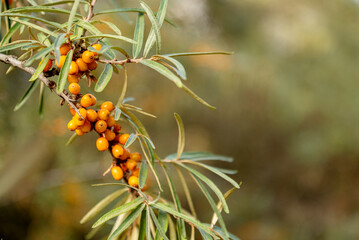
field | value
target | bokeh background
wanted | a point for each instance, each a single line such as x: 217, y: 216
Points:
x: 287, y: 111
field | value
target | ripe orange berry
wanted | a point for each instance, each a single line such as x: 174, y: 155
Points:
x: 97, y: 47
x: 61, y: 63
x: 136, y: 172
x: 102, y: 144
x: 73, y: 78
x: 71, y: 125
x: 86, y: 127
x: 126, y: 154
x: 74, y: 69
x: 117, y: 128
x: 48, y: 65
x: 88, y: 56
x: 107, y: 105
x: 136, y: 156
x: 109, y: 135
x: 91, y: 115
x: 79, y: 122
x: 131, y: 164
x: 123, y: 138
x: 74, y: 88
x: 72, y: 111
x: 83, y: 113
x: 88, y: 100
x: 133, y: 181
x: 103, y: 114
x: 117, y: 173
x: 92, y: 66
x: 117, y: 151
x: 100, y: 126
x: 65, y: 48
x: 79, y: 132
x: 81, y: 64
x: 111, y: 121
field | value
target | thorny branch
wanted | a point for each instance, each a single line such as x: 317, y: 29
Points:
x: 121, y: 62
x: 50, y: 84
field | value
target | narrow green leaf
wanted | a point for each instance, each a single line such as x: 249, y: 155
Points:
x: 61, y: 2
x: 110, y: 36
x: 61, y: 38
x: 142, y: 233
x: 179, y: 69
x: 34, y: 26
x: 205, y: 235
x: 220, y: 232
x: 117, y: 114
x: 26, y: 96
x: 148, y: 223
x: 110, y: 25
x: 71, y: 139
x: 160, y: 16
x: 200, y: 156
x: 161, y: 223
x: 72, y: 15
x: 39, y: 69
x: 102, y: 204
x: 192, y: 94
x: 117, y: 211
x: 124, y: 89
x: 10, y: 33
x: 196, y: 54
x: 213, y: 205
x: 40, y: 54
x: 142, y: 177
x: 173, y: 235
x: 32, y: 9
x: 43, y: 39
x: 220, y: 206
x: 209, y: 182
x: 104, y: 78
x: 154, y: 30
x: 181, y: 135
x: 32, y: 17
x: 214, y: 170
x: 64, y: 72
x: 138, y: 35
x: 189, y: 219
x: 131, y: 139
x: 15, y: 45
x: 127, y: 222
x: 163, y: 70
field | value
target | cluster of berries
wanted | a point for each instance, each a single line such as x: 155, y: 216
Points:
x: 101, y: 120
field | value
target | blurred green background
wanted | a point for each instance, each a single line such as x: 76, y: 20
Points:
x: 286, y: 111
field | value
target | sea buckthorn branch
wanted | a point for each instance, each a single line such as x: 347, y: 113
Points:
x: 121, y: 62
x: 9, y: 59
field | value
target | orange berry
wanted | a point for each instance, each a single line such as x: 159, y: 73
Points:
x: 102, y: 144
x: 79, y: 132
x: 117, y: 128
x: 126, y: 154
x: 92, y: 66
x: 107, y: 105
x: 97, y: 47
x: 103, y: 114
x: 123, y: 138
x: 91, y: 115
x: 109, y: 135
x: 73, y: 78
x: 100, y: 126
x: 88, y: 56
x: 133, y: 181
x: 61, y: 63
x: 86, y: 127
x: 74, y: 88
x: 83, y: 113
x: 136, y: 172
x: 117, y: 151
x: 136, y: 156
x: 71, y: 125
x: 117, y: 173
x: 88, y: 100
x: 131, y: 164
x: 111, y: 121
x: 123, y: 166
x: 72, y: 111
x: 74, y: 69
x: 65, y: 48
x: 81, y: 64
x: 48, y: 65
x: 79, y: 122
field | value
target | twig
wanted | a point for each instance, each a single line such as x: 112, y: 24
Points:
x: 50, y: 84
x: 90, y: 14
x: 121, y: 62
